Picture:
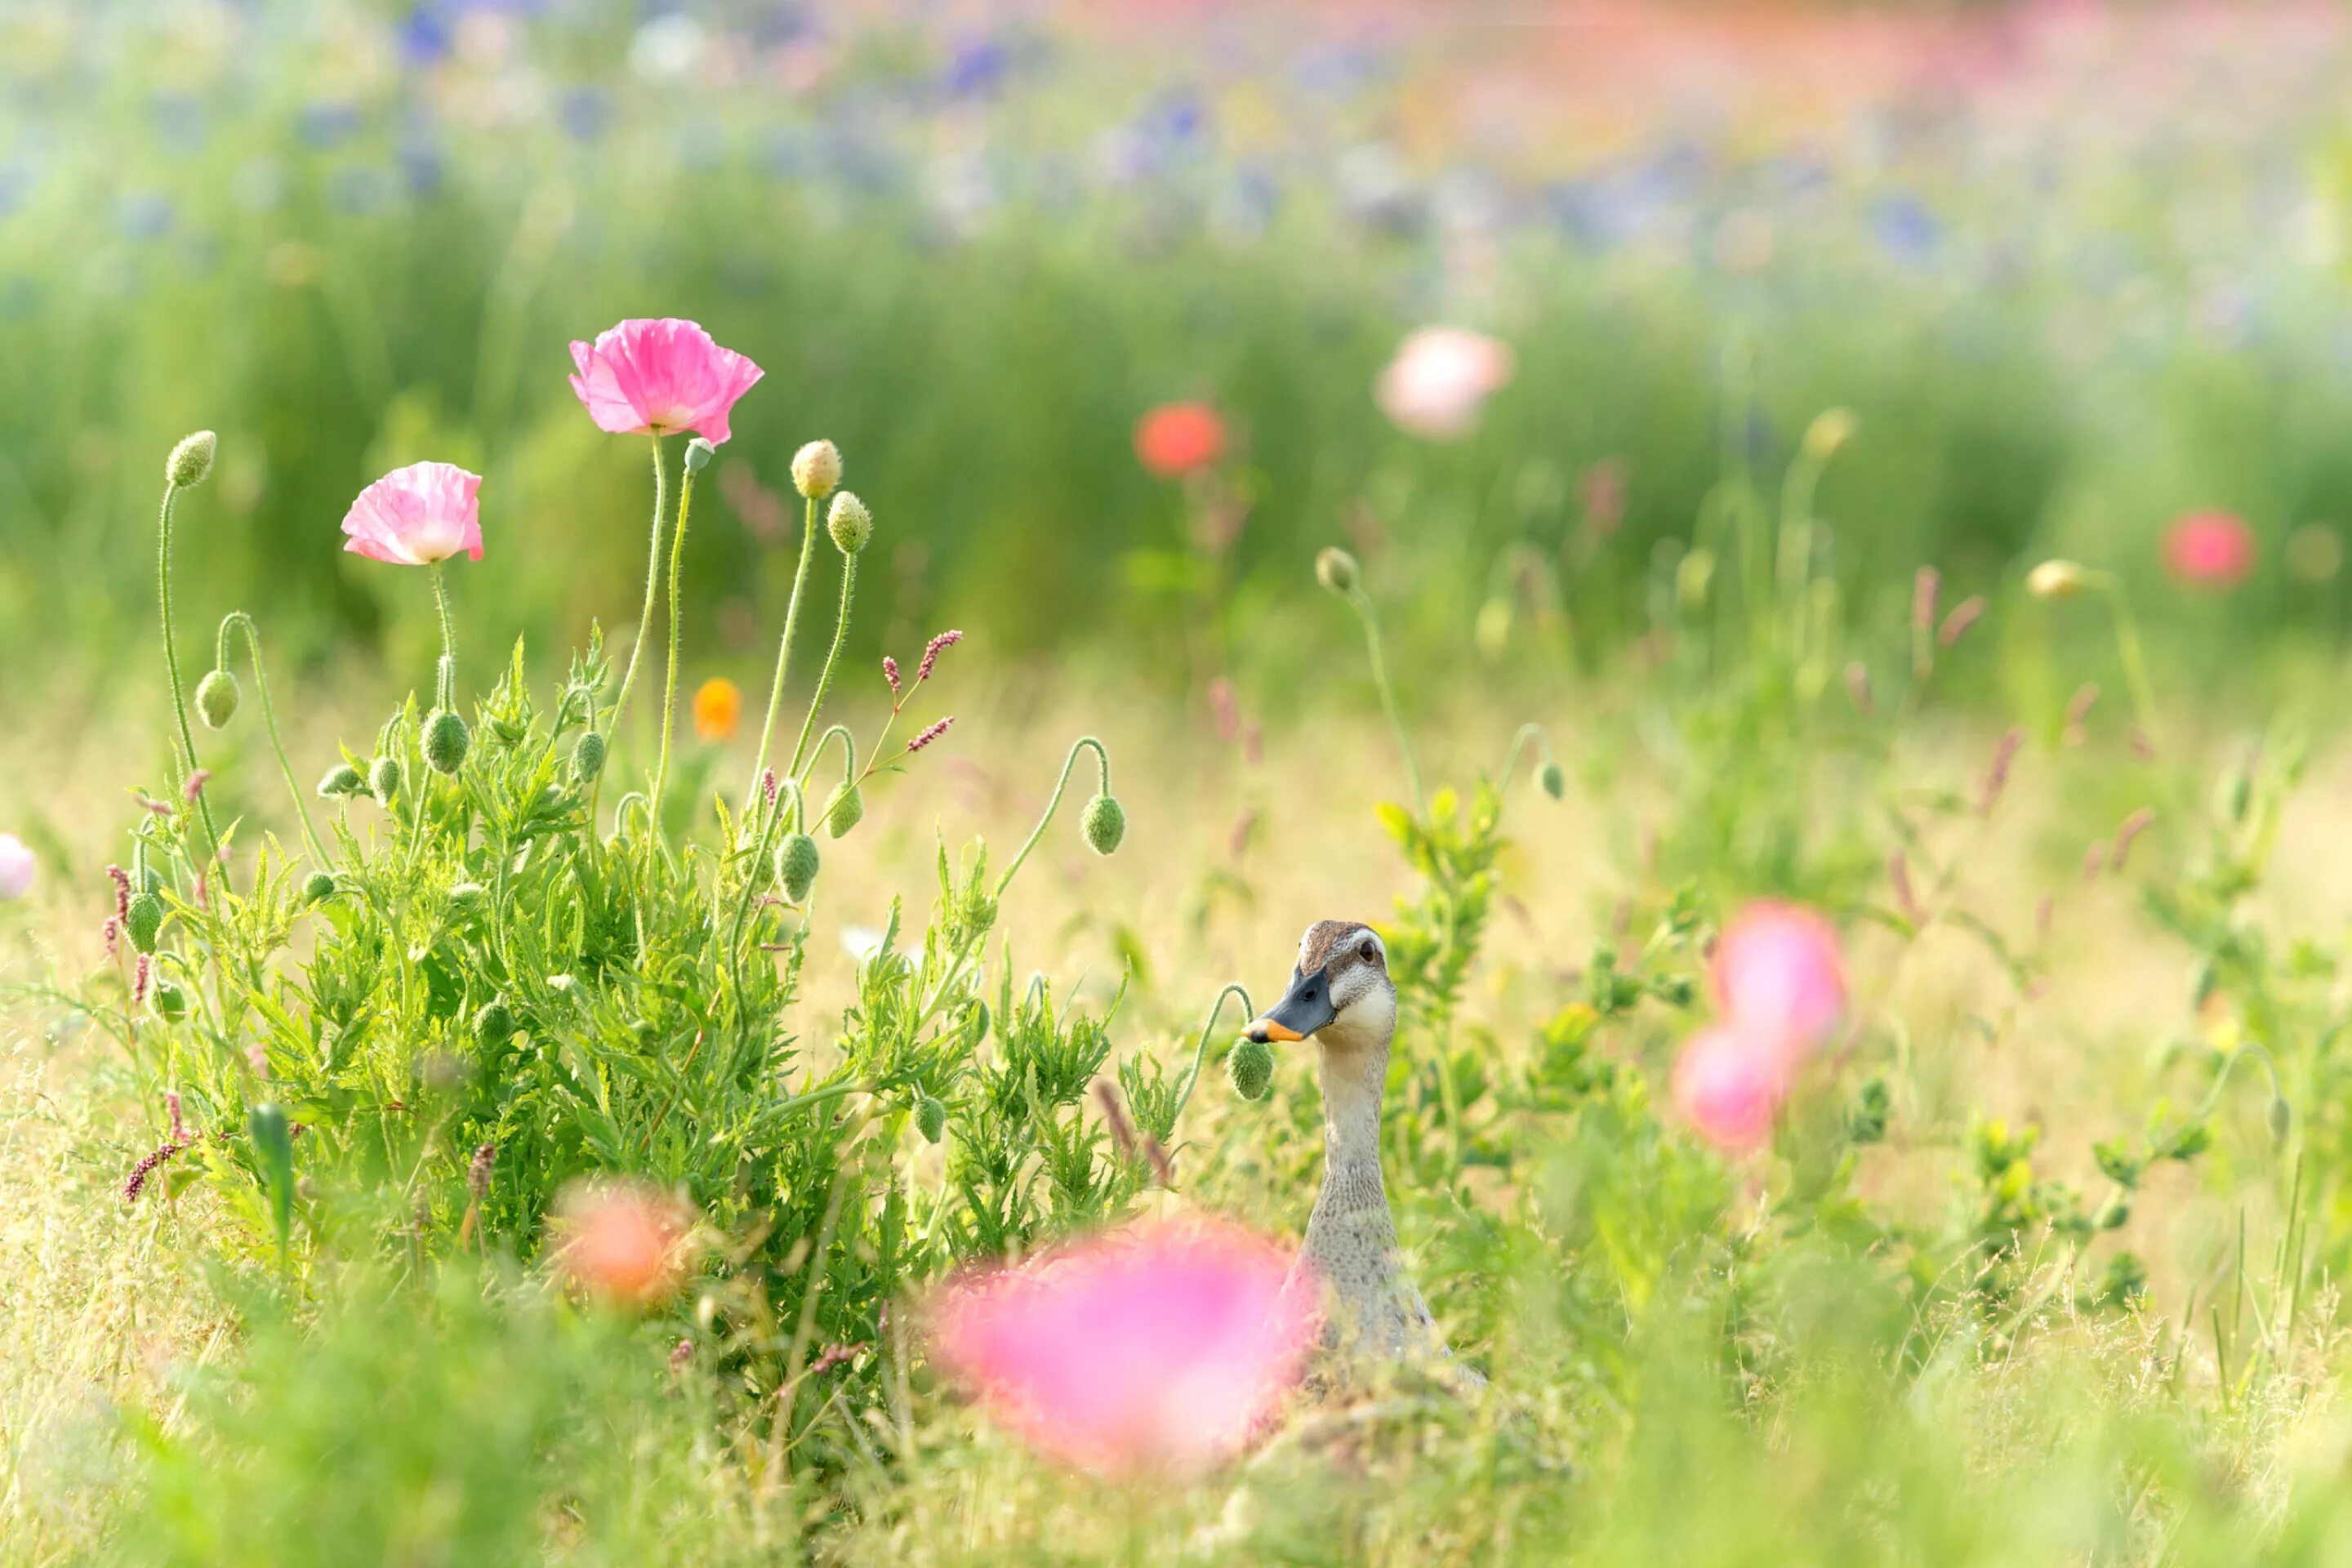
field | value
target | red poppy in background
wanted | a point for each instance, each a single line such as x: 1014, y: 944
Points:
x: 2209, y: 549
x: 1177, y: 438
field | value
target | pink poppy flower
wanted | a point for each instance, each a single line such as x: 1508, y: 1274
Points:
x: 1729, y: 1087
x: 662, y: 377
x: 1778, y: 976
x: 417, y: 515
x: 1439, y: 381
x: 1162, y: 1347
x: 2209, y: 549
x: 621, y: 1242
x: 1176, y: 439
x: 16, y: 868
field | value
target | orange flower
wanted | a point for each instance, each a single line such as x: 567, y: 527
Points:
x: 718, y: 708
x: 620, y: 1241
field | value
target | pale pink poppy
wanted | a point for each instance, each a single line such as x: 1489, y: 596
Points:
x: 661, y: 376
x: 2209, y: 549
x: 621, y: 1242
x: 1441, y: 379
x: 1778, y: 976
x: 1162, y: 1347
x: 417, y: 515
x: 16, y: 868
x: 1729, y: 1087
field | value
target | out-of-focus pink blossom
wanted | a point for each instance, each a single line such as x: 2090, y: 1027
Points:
x: 1177, y: 438
x: 1729, y: 1087
x: 621, y: 1242
x: 2209, y: 549
x: 417, y: 515
x: 16, y: 867
x: 1440, y: 380
x: 1779, y: 977
x: 662, y: 377
x: 1162, y: 1347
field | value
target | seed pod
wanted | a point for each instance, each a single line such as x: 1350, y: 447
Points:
x: 699, y: 453
x: 796, y: 866
x: 169, y: 1000
x: 1337, y: 570
x: 849, y: 523
x: 216, y: 697
x: 1552, y: 778
x: 1250, y: 1066
x: 191, y: 460
x: 318, y: 888
x: 340, y: 780
x: 845, y: 810
x: 447, y: 740
x: 931, y: 1119
x: 146, y: 921
x: 494, y: 1025
x: 383, y: 778
x: 1105, y: 824
x: 588, y: 757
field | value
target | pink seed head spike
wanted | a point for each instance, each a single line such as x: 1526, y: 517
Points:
x: 195, y: 784
x: 112, y: 933
x: 144, y: 974
x: 122, y: 891
x: 931, y: 651
x: 890, y: 673
x: 477, y: 1172
x: 1924, y: 589
x: 930, y: 734
x: 769, y: 784
x: 1996, y: 776
x: 1965, y: 613
x: 172, y: 1104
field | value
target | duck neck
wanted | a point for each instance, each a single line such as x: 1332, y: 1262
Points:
x: 1353, y: 1067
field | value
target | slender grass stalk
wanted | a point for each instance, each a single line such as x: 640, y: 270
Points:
x: 1361, y: 602
x: 1081, y: 743
x: 784, y: 644
x: 238, y: 621
x: 1208, y: 1027
x: 831, y: 662
x: 171, y: 662
x: 669, y: 686
x: 644, y: 620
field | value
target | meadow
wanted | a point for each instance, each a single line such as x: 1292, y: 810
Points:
x: 536, y: 1020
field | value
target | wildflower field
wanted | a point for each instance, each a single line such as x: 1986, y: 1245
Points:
x: 1173, y: 783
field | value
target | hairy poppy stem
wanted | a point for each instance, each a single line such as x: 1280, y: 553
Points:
x: 644, y: 620
x: 669, y: 688
x: 238, y: 621
x: 172, y: 658
x: 784, y: 644
x: 1081, y: 743
x: 831, y: 662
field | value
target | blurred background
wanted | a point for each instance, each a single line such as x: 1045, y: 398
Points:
x: 2079, y: 270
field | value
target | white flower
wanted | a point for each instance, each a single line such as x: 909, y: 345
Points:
x: 16, y: 867
x: 1441, y: 379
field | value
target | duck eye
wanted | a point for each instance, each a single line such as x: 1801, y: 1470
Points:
x: 1369, y: 952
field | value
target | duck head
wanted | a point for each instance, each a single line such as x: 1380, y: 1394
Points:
x: 1340, y: 993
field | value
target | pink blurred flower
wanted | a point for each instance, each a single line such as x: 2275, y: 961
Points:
x: 1176, y: 439
x: 417, y: 515
x: 1441, y: 379
x: 1160, y: 1347
x: 1730, y: 1086
x: 2209, y: 549
x: 1779, y: 978
x: 16, y: 867
x: 620, y: 1241
x: 664, y: 376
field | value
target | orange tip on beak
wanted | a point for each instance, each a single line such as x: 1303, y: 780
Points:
x: 1265, y: 1029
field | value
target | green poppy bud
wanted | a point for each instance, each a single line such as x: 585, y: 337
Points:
x: 465, y: 897
x: 216, y: 696
x: 318, y: 888
x: 846, y: 809
x: 170, y: 1001
x: 588, y: 757
x: 447, y: 740
x: 1552, y: 778
x: 494, y: 1025
x: 383, y: 778
x: 2281, y: 1118
x: 191, y: 460
x: 1105, y: 824
x: 1250, y: 1066
x: 273, y: 1151
x: 699, y: 453
x: 1337, y: 570
x: 340, y: 780
x: 144, y: 922
x: 849, y: 523
x: 796, y: 866
x: 931, y: 1119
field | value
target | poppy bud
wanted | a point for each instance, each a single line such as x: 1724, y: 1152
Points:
x: 191, y: 460
x: 816, y: 469
x: 465, y: 897
x: 144, y: 924
x: 931, y: 1119
x: 494, y: 1025
x: 1337, y: 570
x: 846, y: 809
x: 342, y: 780
x: 318, y: 887
x: 216, y: 696
x: 383, y: 778
x: 849, y: 523
x: 2281, y: 1118
x: 1250, y: 1066
x: 588, y: 757
x: 1105, y: 824
x: 169, y: 1000
x: 446, y: 742
x: 2056, y: 580
x: 1552, y: 778
x: 796, y: 866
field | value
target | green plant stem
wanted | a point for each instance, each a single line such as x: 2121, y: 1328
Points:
x: 850, y: 777
x: 445, y: 683
x: 669, y: 686
x: 171, y: 663
x: 1526, y: 733
x: 1362, y: 604
x: 238, y: 621
x: 1081, y: 743
x: 2127, y: 648
x: 831, y: 662
x: 644, y: 624
x: 784, y: 644
x: 1200, y: 1051
x: 751, y: 879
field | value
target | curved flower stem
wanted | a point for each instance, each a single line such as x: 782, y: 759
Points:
x: 669, y: 687
x: 444, y: 686
x: 832, y: 661
x: 1208, y: 1027
x: 238, y: 621
x: 644, y: 620
x: 799, y: 808
x: 784, y: 644
x: 1081, y: 743
x: 1362, y: 604
x: 850, y: 777
x: 1542, y: 739
x: 171, y: 661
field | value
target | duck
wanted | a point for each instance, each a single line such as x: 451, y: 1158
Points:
x: 1340, y: 996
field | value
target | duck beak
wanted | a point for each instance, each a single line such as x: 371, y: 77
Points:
x: 1304, y: 1009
